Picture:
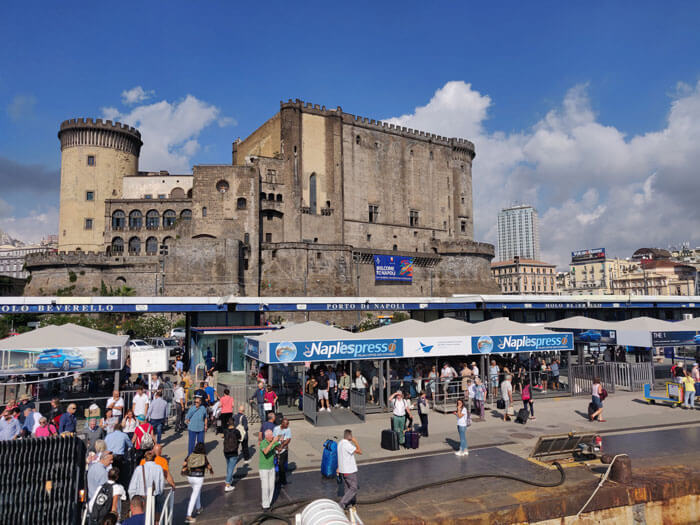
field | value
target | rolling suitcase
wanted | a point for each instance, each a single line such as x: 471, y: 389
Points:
x: 500, y: 404
x: 412, y: 439
x: 329, y: 461
x: 390, y: 440
x: 522, y: 416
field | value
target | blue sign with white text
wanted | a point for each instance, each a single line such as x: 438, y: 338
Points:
x: 504, y: 344
x: 393, y: 268
x: 300, y: 351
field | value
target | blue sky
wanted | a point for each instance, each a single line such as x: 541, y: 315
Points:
x: 620, y: 65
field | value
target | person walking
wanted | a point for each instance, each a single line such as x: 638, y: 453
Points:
x: 479, y: 397
x: 92, y: 433
x: 179, y: 400
x: 323, y: 391
x: 344, y: 386
x: 423, y: 410
x: 226, y: 404
x: 259, y: 398
x: 463, y: 421
x: 360, y: 383
x: 140, y: 404
x: 140, y: 441
x: 596, y: 391
x: 399, y: 411
x: 267, y: 467
x: 68, y: 422
x: 527, y: 398
x: 432, y: 382
x: 240, y: 421
x: 232, y: 440
x: 347, y: 468
x: 158, y: 414
x: 284, y: 435
x: 148, y: 474
x: 196, y: 463
x: 129, y: 423
x: 196, y: 420
x: 507, y: 396
x: 97, y: 474
x: 493, y: 379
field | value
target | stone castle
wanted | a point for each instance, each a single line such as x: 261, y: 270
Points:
x: 307, y: 200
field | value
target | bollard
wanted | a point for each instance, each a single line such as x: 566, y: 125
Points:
x: 621, y: 470
x: 323, y: 512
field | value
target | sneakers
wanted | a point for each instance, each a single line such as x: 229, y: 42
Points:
x: 465, y: 453
x: 229, y: 488
x: 190, y: 519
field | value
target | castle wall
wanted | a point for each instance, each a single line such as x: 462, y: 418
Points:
x: 264, y: 142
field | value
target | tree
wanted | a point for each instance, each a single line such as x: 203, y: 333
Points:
x: 145, y: 326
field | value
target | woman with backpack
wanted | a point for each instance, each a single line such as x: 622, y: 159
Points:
x: 232, y: 439
x: 194, y: 466
x: 143, y: 439
x: 527, y: 398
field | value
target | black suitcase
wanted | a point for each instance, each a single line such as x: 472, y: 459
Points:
x: 591, y: 409
x: 412, y: 439
x: 522, y: 416
x: 501, y: 404
x: 390, y: 440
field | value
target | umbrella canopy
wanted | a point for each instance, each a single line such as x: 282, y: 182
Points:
x: 64, y: 336
x: 582, y: 323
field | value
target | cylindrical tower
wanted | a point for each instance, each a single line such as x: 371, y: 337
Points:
x: 95, y: 156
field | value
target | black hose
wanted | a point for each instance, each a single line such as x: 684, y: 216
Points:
x: 261, y: 518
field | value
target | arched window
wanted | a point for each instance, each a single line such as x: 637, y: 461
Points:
x: 279, y: 197
x: 177, y: 193
x: 204, y: 211
x: 186, y: 215
x: 135, y: 220
x: 169, y: 217
x: 151, y: 246
x: 357, y: 139
x: 263, y: 196
x: 117, y: 246
x: 241, y: 203
x: 118, y: 220
x: 271, y: 196
x: 312, y: 193
x: 189, y: 193
x: 152, y: 219
x: 134, y: 246
x: 168, y: 241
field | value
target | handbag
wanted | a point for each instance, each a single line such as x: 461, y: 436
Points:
x: 267, y: 407
x: 511, y: 411
x: 500, y: 404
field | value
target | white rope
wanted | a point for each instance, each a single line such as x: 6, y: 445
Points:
x: 602, y: 480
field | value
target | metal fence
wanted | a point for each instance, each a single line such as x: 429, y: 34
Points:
x: 581, y: 378
x: 310, y: 409
x: 358, y: 402
x: 41, y: 480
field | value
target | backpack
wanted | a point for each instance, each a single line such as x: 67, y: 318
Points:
x: 239, y: 426
x: 196, y: 461
x: 230, y: 442
x: 102, y: 504
x: 526, y: 393
x: 146, y: 442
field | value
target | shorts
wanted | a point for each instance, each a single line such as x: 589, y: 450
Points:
x: 597, y: 403
x: 323, y: 394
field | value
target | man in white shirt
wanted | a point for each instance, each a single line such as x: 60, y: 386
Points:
x: 475, y: 370
x: 179, y: 400
x: 400, y: 407
x: 116, y: 403
x: 140, y: 404
x: 446, y: 375
x: 154, y: 477
x: 507, y: 395
x: 155, y: 385
x: 347, y: 448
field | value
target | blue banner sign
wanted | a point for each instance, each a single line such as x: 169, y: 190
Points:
x: 506, y: 344
x: 393, y: 268
x: 300, y: 351
x: 686, y: 338
x: 252, y: 348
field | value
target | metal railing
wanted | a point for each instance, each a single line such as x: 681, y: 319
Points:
x: 310, y: 409
x: 358, y: 402
x: 581, y: 378
x: 166, y: 515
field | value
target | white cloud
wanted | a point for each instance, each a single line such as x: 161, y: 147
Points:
x: 169, y: 130
x: 32, y: 227
x: 593, y: 186
x: 21, y: 106
x: 135, y: 95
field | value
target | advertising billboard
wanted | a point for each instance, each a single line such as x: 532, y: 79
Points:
x: 393, y: 268
x: 587, y: 255
x: 335, y: 350
x: 64, y: 359
x: 604, y: 337
x: 436, y: 346
x: 687, y: 338
x: 505, y: 344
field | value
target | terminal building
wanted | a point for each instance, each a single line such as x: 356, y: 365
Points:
x: 315, y: 201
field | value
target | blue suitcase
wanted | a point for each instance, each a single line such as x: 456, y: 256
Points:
x: 329, y: 461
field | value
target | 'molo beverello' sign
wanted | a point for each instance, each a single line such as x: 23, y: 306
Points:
x: 393, y: 268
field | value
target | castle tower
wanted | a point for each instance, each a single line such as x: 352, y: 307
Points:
x: 95, y: 156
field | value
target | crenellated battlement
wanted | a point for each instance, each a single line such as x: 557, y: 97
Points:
x: 100, y: 133
x: 379, y: 125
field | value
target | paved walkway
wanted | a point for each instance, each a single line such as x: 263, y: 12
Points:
x: 623, y: 411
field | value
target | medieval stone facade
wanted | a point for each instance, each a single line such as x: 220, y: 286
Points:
x: 309, y: 197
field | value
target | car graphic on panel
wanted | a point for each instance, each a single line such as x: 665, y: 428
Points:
x: 59, y: 359
x: 590, y: 336
x: 696, y: 339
